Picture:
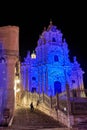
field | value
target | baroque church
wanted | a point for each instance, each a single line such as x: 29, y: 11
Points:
x: 48, y: 69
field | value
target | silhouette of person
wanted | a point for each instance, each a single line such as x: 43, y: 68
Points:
x: 31, y: 106
x: 37, y: 102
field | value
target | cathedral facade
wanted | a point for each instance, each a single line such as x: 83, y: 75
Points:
x: 49, y: 68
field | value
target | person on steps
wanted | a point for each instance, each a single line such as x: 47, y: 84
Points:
x: 31, y: 106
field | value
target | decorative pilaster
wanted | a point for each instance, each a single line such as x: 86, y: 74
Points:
x: 10, y: 84
x: 46, y: 80
x: 38, y: 80
x: 68, y: 104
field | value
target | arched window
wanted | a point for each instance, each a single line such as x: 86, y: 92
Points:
x: 33, y: 78
x: 73, y: 81
x: 53, y: 39
x: 56, y: 58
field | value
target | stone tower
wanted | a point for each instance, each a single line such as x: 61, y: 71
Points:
x: 9, y: 48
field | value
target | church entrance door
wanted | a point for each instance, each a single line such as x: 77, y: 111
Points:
x: 57, y: 87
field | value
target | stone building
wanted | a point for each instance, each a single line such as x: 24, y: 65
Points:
x: 9, y: 55
x: 49, y: 68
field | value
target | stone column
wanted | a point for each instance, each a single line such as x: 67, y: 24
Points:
x: 10, y: 85
x: 43, y: 81
x: 68, y: 104
x: 57, y: 101
x: 38, y: 80
x: 26, y: 84
x: 46, y: 80
x: 68, y: 98
x: 29, y: 87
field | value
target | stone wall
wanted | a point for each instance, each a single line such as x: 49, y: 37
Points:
x: 9, y: 45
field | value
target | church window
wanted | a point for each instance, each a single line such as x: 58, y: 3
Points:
x: 73, y: 81
x: 33, y: 78
x: 55, y: 58
x: 53, y: 39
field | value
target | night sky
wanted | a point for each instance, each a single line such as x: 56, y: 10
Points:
x: 69, y: 17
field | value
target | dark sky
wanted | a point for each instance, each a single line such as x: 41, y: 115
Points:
x: 69, y: 17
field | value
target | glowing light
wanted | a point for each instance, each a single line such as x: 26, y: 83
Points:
x: 17, y: 80
x: 33, y: 55
x: 64, y: 108
x: 18, y: 89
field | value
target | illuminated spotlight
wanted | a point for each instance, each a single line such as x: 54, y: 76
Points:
x: 17, y: 81
x: 64, y: 108
x: 17, y: 90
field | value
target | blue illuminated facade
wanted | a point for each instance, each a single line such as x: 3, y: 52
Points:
x: 49, y: 67
x: 3, y: 84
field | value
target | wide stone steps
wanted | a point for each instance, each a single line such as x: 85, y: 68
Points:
x: 24, y: 119
x: 82, y: 125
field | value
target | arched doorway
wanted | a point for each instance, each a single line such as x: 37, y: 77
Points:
x: 57, y: 87
x: 33, y: 89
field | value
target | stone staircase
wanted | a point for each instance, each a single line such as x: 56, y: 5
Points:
x: 82, y: 125
x: 24, y: 119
